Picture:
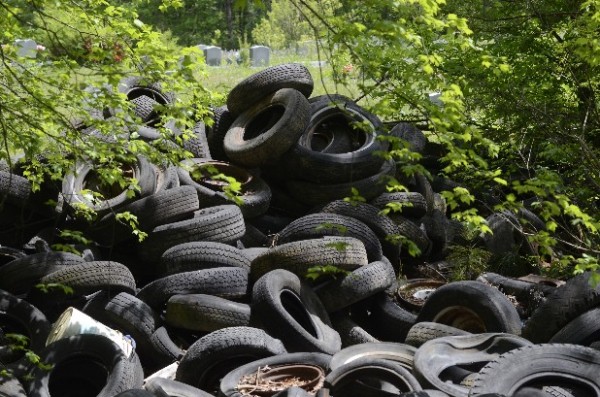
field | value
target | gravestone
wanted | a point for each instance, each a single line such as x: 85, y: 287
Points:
x: 26, y: 48
x: 213, y: 55
x: 259, y: 55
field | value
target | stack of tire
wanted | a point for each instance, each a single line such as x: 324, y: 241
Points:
x: 288, y: 284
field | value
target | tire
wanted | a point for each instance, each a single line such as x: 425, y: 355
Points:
x: 346, y: 253
x: 268, y: 129
x: 163, y: 351
x: 444, y: 362
x: 582, y: 330
x: 222, y: 120
x: 293, y: 391
x: 289, y: 310
x: 411, y: 204
x: 362, y: 283
x: 574, y: 298
x: 529, y: 294
x: 206, y: 313
x: 230, y: 382
x: 471, y: 306
x: 390, y: 320
x: 133, y: 317
x: 224, y: 224
x: 363, y: 376
x: 414, y: 137
x: 84, y: 177
x: 425, y: 331
x: 226, y: 282
x: 89, y: 277
x: 214, y: 355
x: 321, y: 224
x: 17, y: 316
x: 87, y: 363
x: 19, y: 275
x: 254, y: 195
x: 350, y: 332
x: 381, y: 224
x: 163, y: 207
x: 312, y: 193
x: 568, y: 365
x: 397, y: 352
x: 307, y: 160
x: 252, y: 89
x: 197, y: 143
x: 14, y: 189
x: 173, y: 388
x: 414, y: 233
x: 135, y: 86
x: 198, y: 255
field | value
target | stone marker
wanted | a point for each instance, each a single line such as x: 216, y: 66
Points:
x: 26, y: 48
x: 259, y: 55
x: 213, y: 55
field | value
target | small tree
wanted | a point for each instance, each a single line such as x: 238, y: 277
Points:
x: 48, y: 100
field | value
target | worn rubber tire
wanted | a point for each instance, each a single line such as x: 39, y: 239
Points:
x: 89, y: 277
x: 288, y: 309
x: 268, y: 129
x: 20, y: 317
x: 224, y: 224
x: 346, y: 253
x: 350, y: 332
x: 312, y: 193
x: 160, y: 387
x: 443, y: 363
x: 356, y: 378
x: 252, y: 89
x: 20, y: 274
x: 565, y: 363
x: 165, y: 206
x: 197, y: 143
x: 70, y: 357
x: 83, y: 178
x: 214, y: 355
x: 425, y: 331
x: 358, y: 285
x: 391, y: 321
x: 566, y: 303
x: 381, y: 224
x: 398, y: 352
x: 472, y: 306
x: 198, y: 255
x: 411, y: 204
x: 322, y: 224
x: 253, y: 197
x: 226, y: 282
x: 308, y: 161
x: 231, y: 380
x: 206, y: 313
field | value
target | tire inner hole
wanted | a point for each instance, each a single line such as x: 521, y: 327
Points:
x: 79, y: 376
x: 263, y: 121
x: 293, y: 305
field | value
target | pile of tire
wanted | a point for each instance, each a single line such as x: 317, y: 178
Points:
x: 287, y: 288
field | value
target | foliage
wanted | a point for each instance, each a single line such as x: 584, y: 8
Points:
x: 316, y: 272
x: 215, y: 22
x: 469, y: 259
x: 286, y: 24
x: 48, y: 102
x: 516, y: 115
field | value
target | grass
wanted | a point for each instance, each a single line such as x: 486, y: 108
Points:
x: 223, y: 78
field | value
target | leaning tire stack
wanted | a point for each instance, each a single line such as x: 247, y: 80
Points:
x: 286, y: 286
